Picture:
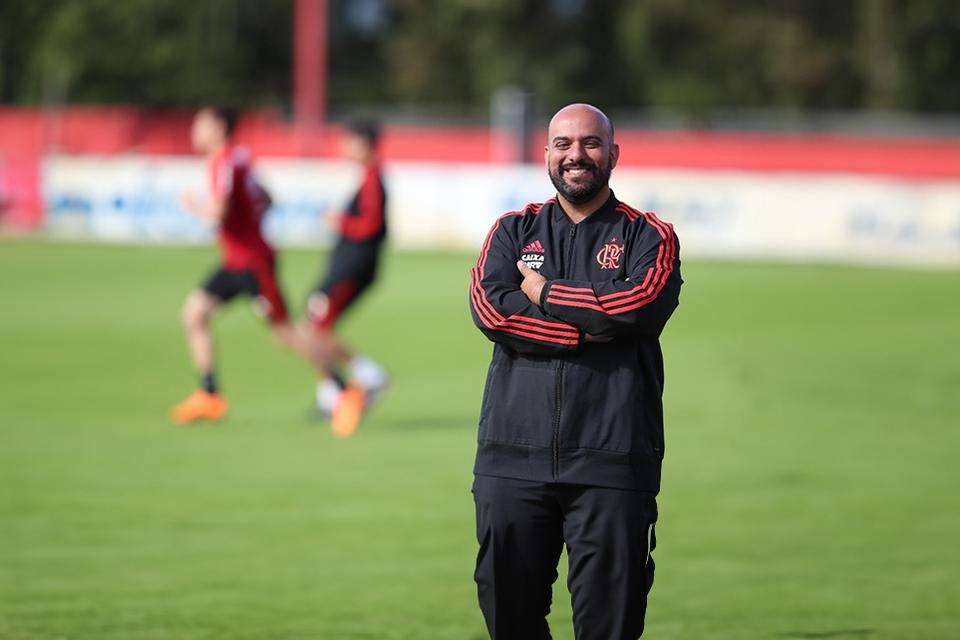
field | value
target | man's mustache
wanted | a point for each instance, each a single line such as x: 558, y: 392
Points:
x: 580, y: 165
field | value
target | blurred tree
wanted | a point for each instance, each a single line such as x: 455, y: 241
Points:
x: 456, y: 52
x: 878, y: 54
x: 20, y: 24
x: 358, y: 30
x: 695, y: 56
x: 171, y: 52
x: 928, y: 38
x: 685, y: 56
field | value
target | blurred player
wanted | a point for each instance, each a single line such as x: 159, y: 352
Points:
x: 235, y: 208
x: 352, y: 269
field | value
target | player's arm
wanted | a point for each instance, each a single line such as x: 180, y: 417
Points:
x: 210, y: 211
x: 370, y: 203
x: 213, y: 210
x: 640, y: 303
x: 502, y: 311
x: 261, y: 196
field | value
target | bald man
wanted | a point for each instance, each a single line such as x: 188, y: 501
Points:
x: 574, y: 294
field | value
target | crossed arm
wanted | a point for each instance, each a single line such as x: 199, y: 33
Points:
x: 515, y: 305
x: 504, y: 313
x: 532, y: 286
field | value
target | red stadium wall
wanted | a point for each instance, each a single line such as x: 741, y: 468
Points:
x: 21, y: 141
x: 26, y: 134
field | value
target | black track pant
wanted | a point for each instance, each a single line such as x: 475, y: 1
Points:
x: 521, y: 528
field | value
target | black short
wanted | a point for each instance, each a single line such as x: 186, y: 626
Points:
x: 227, y: 285
x: 353, y: 268
x: 260, y: 284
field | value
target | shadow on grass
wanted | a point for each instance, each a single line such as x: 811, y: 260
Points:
x: 451, y: 423
x: 837, y: 633
x: 312, y: 418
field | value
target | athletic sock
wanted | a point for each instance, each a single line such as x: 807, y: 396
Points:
x: 328, y: 393
x: 208, y: 382
x: 367, y: 372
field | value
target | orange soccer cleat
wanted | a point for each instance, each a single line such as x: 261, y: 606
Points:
x: 348, y: 412
x: 199, y: 405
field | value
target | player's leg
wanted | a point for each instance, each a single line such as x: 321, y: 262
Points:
x: 352, y: 271
x: 345, y: 403
x: 519, y: 528
x: 324, y: 308
x: 610, y: 537
x: 265, y: 289
x: 270, y: 303
x: 198, y: 309
x: 300, y: 340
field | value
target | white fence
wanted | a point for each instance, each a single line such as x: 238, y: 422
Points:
x: 831, y: 217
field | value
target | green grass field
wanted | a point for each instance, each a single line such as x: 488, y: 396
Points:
x: 811, y: 487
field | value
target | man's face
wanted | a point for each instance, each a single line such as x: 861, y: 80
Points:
x: 354, y: 147
x: 580, y: 154
x: 206, y: 132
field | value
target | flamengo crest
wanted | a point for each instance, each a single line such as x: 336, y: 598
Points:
x: 609, y: 256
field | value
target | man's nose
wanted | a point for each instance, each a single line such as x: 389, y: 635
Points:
x: 576, y: 152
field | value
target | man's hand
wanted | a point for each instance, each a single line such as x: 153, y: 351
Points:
x: 192, y: 203
x: 532, y: 286
x: 591, y: 338
x: 334, y: 220
x: 210, y: 212
x: 533, y: 282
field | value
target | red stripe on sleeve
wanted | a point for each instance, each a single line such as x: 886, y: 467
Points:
x: 636, y: 297
x: 534, y: 328
x: 524, y: 326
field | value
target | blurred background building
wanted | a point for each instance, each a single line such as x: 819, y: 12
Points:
x: 808, y: 130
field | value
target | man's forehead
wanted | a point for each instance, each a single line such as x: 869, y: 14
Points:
x: 578, y: 122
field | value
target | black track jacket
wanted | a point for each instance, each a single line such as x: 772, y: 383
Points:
x: 556, y: 408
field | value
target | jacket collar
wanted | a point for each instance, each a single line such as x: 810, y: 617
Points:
x: 609, y: 205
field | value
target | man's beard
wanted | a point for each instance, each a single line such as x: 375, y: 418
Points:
x: 584, y: 192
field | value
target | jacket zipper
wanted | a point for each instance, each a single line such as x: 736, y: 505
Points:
x: 559, y: 377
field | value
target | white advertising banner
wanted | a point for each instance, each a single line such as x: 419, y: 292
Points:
x: 830, y: 217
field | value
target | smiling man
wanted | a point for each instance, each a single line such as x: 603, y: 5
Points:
x: 574, y: 293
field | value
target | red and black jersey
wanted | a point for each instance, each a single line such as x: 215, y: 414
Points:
x: 241, y: 241
x: 365, y: 219
x: 557, y: 408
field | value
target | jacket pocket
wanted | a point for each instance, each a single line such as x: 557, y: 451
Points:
x: 606, y: 406
x: 518, y: 406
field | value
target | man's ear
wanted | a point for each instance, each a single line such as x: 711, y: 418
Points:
x: 614, y: 155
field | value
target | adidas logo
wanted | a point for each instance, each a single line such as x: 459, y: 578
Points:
x: 532, y: 255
